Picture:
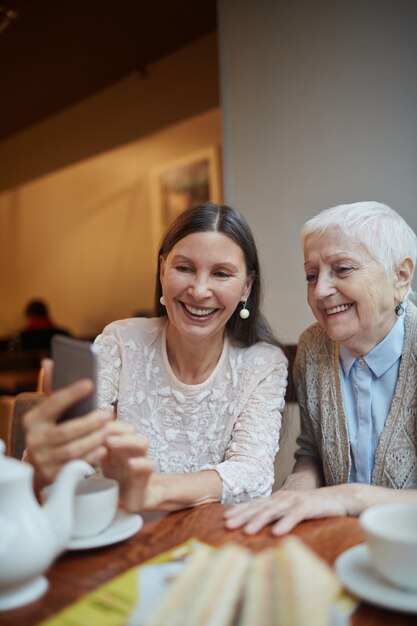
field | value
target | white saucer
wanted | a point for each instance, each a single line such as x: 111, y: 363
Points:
x: 123, y: 526
x: 356, y: 572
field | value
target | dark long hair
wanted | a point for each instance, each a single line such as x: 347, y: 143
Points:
x: 223, y: 219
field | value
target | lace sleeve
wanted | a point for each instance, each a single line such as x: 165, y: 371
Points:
x: 248, y: 469
x: 109, y: 364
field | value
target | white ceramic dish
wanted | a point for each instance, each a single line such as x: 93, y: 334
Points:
x: 355, y: 570
x: 123, y: 526
x: 391, y: 536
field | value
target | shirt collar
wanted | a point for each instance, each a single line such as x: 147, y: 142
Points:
x: 383, y: 356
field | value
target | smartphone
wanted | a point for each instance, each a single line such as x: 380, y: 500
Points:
x: 74, y: 359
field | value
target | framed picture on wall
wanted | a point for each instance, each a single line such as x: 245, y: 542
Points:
x: 187, y: 181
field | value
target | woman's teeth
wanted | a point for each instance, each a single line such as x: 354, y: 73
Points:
x: 338, y: 309
x: 198, y: 312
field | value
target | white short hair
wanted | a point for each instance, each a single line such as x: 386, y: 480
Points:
x: 381, y: 230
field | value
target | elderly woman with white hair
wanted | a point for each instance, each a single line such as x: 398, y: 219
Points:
x: 355, y: 372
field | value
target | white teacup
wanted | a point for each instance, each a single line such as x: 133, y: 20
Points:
x: 95, y: 505
x: 391, y: 536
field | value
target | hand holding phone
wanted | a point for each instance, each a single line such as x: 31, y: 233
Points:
x: 74, y: 359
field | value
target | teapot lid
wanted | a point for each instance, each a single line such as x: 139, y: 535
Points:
x: 12, y: 469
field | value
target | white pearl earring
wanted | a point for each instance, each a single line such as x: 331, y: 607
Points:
x: 162, y: 300
x: 244, y: 313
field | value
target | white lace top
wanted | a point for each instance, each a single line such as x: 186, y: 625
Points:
x: 229, y: 423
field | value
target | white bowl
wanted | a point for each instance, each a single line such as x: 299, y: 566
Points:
x: 391, y: 536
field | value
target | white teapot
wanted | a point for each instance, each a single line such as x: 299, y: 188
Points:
x: 32, y: 536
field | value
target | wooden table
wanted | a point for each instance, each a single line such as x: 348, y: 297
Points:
x: 76, y: 573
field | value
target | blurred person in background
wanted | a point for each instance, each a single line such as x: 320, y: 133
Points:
x: 38, y: 330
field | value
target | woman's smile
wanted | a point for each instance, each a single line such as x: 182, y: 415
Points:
x: 340, y: 308
x: 198, y: 312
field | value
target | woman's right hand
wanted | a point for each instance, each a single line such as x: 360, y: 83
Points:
x: 49, y: 445
x: 288, y: 508
x: 95, y: 437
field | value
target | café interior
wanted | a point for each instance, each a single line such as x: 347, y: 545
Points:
x: 115, y: 118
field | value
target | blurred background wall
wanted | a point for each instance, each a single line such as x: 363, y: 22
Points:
x: 317, y: 106
x: 79, y: 223
x: 319, y: 103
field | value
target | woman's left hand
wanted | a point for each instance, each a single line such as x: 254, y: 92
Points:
x: 289, y: 508
x: 127, y: 462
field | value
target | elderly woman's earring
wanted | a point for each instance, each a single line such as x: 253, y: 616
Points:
x: 162, y: 300
x: 399, y: 309
x: 244, y: 313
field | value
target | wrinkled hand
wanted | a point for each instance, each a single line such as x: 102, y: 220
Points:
x: 50, y: 445
x: 289, y: 508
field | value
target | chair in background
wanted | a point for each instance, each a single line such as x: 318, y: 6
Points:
x: 23, y: 402
x: 290, y: 426
x: 19, y: 371
x: 6, y: 415
x: 290, y: 429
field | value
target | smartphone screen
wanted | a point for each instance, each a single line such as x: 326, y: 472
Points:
x: 74, y: 359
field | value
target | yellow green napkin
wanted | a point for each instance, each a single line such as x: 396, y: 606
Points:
x: 119, y: 601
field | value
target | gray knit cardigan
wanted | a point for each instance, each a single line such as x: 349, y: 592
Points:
x: 324, y: 431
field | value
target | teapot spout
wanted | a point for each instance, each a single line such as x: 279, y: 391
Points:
x: 59, y: 507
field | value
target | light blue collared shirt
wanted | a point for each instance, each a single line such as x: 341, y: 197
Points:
x: 368, y: 385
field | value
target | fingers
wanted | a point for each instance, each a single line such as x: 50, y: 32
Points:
x: 67, y: 444
x: 123, y: 445
x: 134, y: 494
x: 141, y: 470
x: 127, y: 443
x: 51, y: 445
x: 55, y: 405
x: 68, y: 440
x: 117, y: 427
x: 254, y: 516
x: 127, y: 462
x: 96, y: 455
x: 311, y: 504
x: 47, y: 373
x: 242, y: 513
x: 49, y: 466
x: 260, y: 520
x: 253, y: 520
x: 54, y: 445
x: 287, y: 523
x: 289, y: 508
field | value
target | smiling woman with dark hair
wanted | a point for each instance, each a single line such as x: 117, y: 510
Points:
x: 204, y: 381
x: 355, y: 372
